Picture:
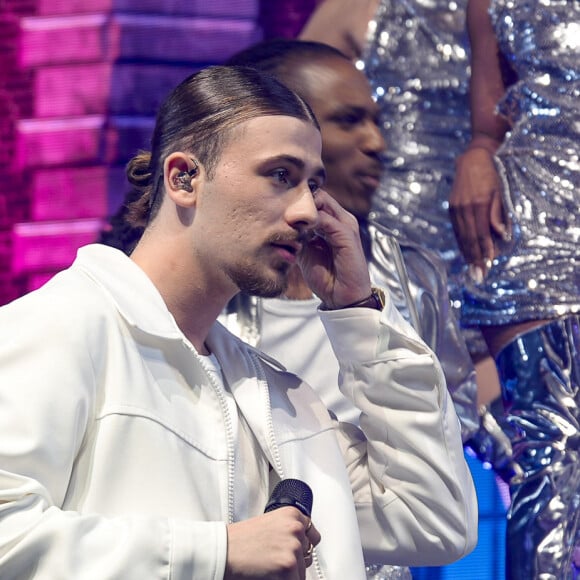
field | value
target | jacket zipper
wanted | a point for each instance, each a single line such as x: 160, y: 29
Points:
x: 229, y: 435
x: 256, y: 363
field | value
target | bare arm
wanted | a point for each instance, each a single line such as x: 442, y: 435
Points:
x: 487, y: 87
x: 476, y: 208
x: 342, y: 24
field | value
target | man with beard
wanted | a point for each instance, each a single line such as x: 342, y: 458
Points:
x: 289, y: 327
x: 140, y: 439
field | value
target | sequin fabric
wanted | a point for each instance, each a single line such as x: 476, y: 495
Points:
x: 417, y: 62
x: 378, y: 572
x: 537, y: 274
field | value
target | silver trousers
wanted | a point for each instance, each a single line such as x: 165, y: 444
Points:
x: 540, y: 378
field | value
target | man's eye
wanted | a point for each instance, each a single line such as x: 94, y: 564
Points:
x: 314, y: 187
x: 348, y: 120
x: 282, y: 175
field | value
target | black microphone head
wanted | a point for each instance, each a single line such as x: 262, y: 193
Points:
x: 291, y: 492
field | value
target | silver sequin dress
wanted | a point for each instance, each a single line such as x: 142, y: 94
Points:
x: 417, y: 62
x: 536, y: 277
x: 538, y: 274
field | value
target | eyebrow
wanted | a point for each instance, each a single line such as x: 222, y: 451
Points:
x: 372, y: 112
x: 298, y: 163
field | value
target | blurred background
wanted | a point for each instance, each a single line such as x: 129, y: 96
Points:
x: 80, y: 81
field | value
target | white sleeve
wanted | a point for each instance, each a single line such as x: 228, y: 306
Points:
x: 47, y: 397
x: 415, y: 499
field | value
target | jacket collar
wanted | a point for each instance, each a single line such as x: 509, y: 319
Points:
x: 133, y: 293
x: 138, y: 300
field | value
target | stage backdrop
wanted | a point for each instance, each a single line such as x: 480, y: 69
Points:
x: 79, y: 85
x: 80, y: 81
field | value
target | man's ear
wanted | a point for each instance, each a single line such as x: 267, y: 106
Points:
x: 180, y: 179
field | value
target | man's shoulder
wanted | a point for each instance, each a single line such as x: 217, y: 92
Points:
x: 67, y: 311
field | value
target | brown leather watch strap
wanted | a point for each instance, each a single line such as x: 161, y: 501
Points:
x: 375, y: 300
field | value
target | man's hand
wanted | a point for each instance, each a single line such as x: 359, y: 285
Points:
x: 477, y: 211
x: 333, y: 262
x: 277, y: 545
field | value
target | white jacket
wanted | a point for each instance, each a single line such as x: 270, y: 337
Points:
x: 117, y: 455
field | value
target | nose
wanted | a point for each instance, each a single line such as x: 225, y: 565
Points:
x: 374, y: 142
x: 301, y: 213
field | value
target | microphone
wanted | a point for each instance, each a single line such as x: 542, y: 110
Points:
x: 291, y: 492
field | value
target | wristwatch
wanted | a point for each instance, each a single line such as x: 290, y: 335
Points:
x: 376, y: 300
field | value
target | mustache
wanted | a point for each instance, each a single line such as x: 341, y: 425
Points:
x: 292, y: 237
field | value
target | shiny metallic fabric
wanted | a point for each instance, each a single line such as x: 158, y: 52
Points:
x: 540, y: 376
x: 491, y: 443
x: 417, y: 62
x: 378, y: 572
x: 537, y: 274
x: 417, y: 283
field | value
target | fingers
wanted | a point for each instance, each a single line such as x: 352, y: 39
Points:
x: 476, y: 211
x: 312, y: 537
x: 276, y: 545
x: 313, y: 534
x: 484, y: 247
x: 308, y: 556
x: 477, y: 228
x: 498, y: 219
x: 331, y: 214
x: 325, y: 202
x: 333, y: 261
x: 309, y: 548
x: 471, y: 227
